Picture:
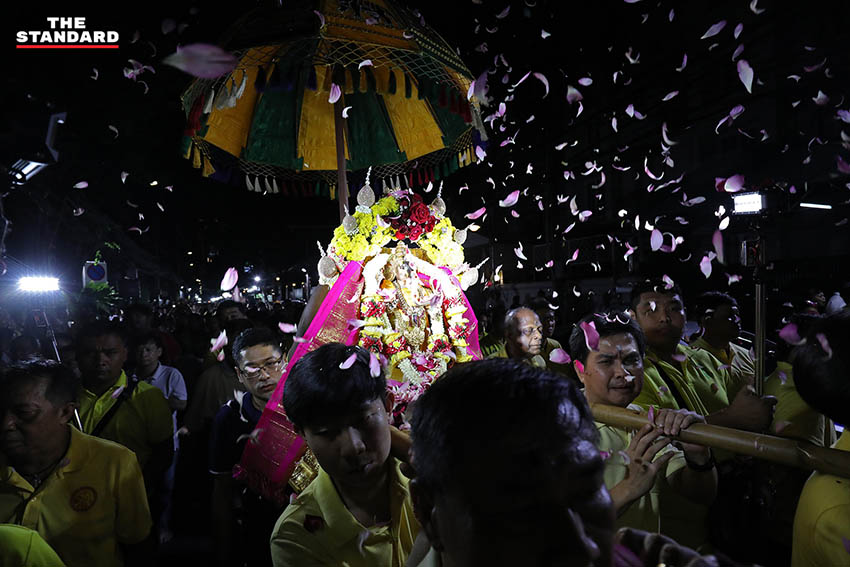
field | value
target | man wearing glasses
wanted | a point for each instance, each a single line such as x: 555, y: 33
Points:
x: 259, y: 362
x: 523, y: 338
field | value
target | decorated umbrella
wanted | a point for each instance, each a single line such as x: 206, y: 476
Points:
x: 346, y: 86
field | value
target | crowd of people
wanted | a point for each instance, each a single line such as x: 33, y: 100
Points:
x: 122, y: 452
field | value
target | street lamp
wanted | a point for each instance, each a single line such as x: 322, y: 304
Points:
x: 38, y: 284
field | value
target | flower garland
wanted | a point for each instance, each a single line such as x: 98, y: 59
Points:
x: 400, y: 216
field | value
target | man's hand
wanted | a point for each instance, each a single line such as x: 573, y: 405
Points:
x: 747, y: 411
x: 672, y: 422
x: 643, y: 468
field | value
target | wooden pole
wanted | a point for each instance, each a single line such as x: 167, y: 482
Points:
x: 800, y: 454
x: 342, y: 183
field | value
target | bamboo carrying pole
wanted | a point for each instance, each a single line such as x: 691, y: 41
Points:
x: 339, y: 134
x: 790, y: 452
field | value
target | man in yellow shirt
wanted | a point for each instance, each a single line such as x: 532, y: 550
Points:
x: 141, y: 419
x: 85, y: 496
x: 822, y: 374
x: 358, y: 511
x: 548, y: 320
x: 523, y: 338
x: 23, y: 547
x: 720, y: 323
x: 641, y: 468
x: 679, y: 377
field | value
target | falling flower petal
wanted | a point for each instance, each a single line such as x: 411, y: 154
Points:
x: 94, y: 77
x: 374, y: 365
x: 573, y: 95
x: 754, y: 7
x: 824, y: 344
x: 476, y: 214
x: 545, y: 82
x: 733, y: 184
x: 345, y: 111
x: 717, y: 242
x: 510, y: 200
x: 705, y: 266
x: 220, y: 342
x: 78, y: 211
x: 821, y: 99
x: 231, y: 277
x: 745, y: 73
x: 81, y: 185
x: 335, y: 93
x: 668, y: 282
x: 365, y: 63
x: 714, y: 30
x: 656, y: 240
x: 348, y: 362
x: 202, y: 60
x: 124, y: 176
x: 591, y: 335
x: 790, y: 334
x: 669, y: 96
x: 738, y: 51
x: 287, y: 328
x: 842, y: 165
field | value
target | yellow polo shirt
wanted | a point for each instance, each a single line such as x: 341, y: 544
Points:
x: 140, y: 423
x: 699, y: 379
x: 317, y: 529
x: 802, y: 422
x: 23, y: 547
x: 645, y: 512
x: 93, y: 501
x: 742, y: 368
x: 536, y: 361
x: 822, y: 522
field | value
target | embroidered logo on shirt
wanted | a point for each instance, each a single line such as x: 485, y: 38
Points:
x: 83, y: 499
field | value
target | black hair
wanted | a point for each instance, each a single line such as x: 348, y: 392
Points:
x: 654, y: 285
x: 227, y: 304
x: 822, y: 366
x: 318, y: 390
x: 486, y: 427
x: 253, y: 337
x: 140, y: 308
x: 148, y: 337
x: 606, y: 324
x: 711, y: 300
x: 101, y: 329
x: 62, y: 385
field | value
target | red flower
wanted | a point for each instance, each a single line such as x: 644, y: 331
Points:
x: 417, y: 198
x: 419, y: 213
x: 400, y: 235
x: 415, y: 232
x: 313, y: 523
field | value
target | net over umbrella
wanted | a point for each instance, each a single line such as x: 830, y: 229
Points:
x: 312, y: 77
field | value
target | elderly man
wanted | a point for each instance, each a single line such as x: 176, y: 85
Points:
x: 85, y: 496
x: 646, y: 476
x: 523, y: 338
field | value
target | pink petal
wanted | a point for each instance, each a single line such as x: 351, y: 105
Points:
x: 287, y: 328
x: 514, y: 214
x: 220, y: 356
x: 842, y: 165
x: 510, y: 200
x: 705, y: 266
x: 714, y: 30
x: 476, y: 214
x: 124, y: 176
x: 374, y: 365
x: 745, y: 73
x: 738, y: 51
x: 656, y: 240
x: 202, y: 60
x: 824, y: 344
x: 754, y: 7
x: 81, y: 185
x: 669, y: 96
x: 591, y: 335
x: 573, y: 95
x: 545, y: 82
x: 717, y: 242
x: 579, y: 365
x: 684, y: 64
x: 503, y: 14
x: 480, y: 153
x: 734, y: 184
x: 220, y: 342
x: 790, y: 334
x: 345, y: 111
x: 738, y: 29
x: 117, y: 392
x: 821, y: 99
x: 364, y: 63
x: 348, y: 362
x: 844, y: 115
x: 231, y: 276
x: 334, y: 94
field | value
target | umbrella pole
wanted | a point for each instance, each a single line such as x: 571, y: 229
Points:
x: 342, y: 183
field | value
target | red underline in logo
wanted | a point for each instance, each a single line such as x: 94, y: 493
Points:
x: 69, y: 46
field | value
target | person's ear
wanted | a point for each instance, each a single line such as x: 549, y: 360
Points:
x: 66, y: 412
x: 423, y: 509
x: 389, y: 401
x: 581, y: 370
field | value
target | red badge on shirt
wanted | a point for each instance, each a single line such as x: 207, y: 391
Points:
x: 83, y: 499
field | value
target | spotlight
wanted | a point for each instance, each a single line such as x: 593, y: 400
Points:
x: 23, y: 170
x: 38, y: 284
x: 748, y: 203
x: 256, y: 278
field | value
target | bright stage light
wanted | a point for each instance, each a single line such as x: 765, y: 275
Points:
x: 256, y: 278
x: 815, y: 206
x: 748, y: 203
x: 38, y: 284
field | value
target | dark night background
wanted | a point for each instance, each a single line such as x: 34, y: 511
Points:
x: 275, y: 236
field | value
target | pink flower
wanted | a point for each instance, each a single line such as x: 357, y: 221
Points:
x: 231, y: 276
